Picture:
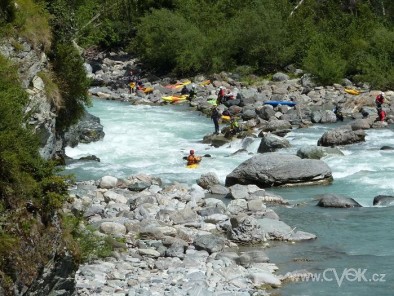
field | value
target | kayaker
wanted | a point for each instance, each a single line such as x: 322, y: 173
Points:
x: 193, y: 159
x: 226, y: 112
x: 215, y: 116
x: 185, y: 90
x: 192, y: 93
x: 338, y: 112
x: 379, y: 100
x: 234, y: 126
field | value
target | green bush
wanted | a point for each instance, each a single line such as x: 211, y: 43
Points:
x: 83, y: 242
x: 167, y: 42
x: 377, y: 65
x: 324, y: 62
x: 260, y: 35
x: 73, y: 84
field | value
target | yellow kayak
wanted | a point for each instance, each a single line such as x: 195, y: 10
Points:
x: 178, y: 84
x: 192, y: 166
x: 226, y: 118
x: 205, y: 82
x: 173, y: 99
x: 352, y: 91
x: 148, y: 90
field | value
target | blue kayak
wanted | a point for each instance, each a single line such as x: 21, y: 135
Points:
x: 277, y: 103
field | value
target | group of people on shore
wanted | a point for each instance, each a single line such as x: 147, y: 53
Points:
x: 379, y: 101
x: 222, y: 97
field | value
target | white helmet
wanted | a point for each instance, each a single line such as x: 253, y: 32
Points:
x: 220, y: 87
x: 193, y: 86
x: 382, y: 94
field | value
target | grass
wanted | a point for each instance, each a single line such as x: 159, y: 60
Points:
x: 51, y: 88
x: 32, y: 23
x: 83, y: 242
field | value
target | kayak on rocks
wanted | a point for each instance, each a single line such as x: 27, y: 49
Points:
x: 277, y: 103
x: 174, y: 99
x: 178, y: 84
x: 354, y: 92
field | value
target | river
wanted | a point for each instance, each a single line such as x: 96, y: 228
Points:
x: 353, y: 254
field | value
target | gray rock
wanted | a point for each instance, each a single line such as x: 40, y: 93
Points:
x: 271, y: 143
x: 210, y: 243
x: 108, y: 182
x: 245, y: 229
x: 360, y: 124
x: 273, y: 169
x: 87, y: 130
x: 337, y: 201
x: 278, y: 230
x: 218, y: 189
x: 279, y: 76
x: 183, y: 216
x: 238, y: 191
x: 208, y: 180
x: 317, y: 152
x: 383, y: 200
x: 341, y: 136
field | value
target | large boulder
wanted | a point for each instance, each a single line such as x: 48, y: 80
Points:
x: 87, y: 130
x: 341, y: 136
x: 274, y: 169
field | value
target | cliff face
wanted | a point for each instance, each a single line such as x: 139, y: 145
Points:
x: 40, y: 263
x: 41, y: 110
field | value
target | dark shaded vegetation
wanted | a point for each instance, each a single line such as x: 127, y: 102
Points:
x: 330, y: 39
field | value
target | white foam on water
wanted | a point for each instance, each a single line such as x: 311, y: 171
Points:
x: 154, y: 140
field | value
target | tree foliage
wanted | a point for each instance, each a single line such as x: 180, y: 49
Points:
x: 188, y: 36
x: 71, y: 78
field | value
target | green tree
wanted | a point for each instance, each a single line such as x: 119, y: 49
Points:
x: 260, y: 35
x: 167, y: 42
x: 324, y: 62
x: 71, y: 77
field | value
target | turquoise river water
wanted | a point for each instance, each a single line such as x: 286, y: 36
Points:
x: 353, y: 254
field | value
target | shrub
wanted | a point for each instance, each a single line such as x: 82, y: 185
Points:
x: 52, y: 90
x: 83, y: 242
x: 167, y: 42
x: 73, y: 84
x: 32, y: 23
x: 324, y: 62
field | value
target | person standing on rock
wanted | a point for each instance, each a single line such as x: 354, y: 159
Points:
x: 215, y: 116
x: 379, y: 100
x: 192, y: 93
x: 221, y: 94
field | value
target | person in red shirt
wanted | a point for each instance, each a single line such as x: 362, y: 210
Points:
x: 379, y: 100
x: 221, y: 94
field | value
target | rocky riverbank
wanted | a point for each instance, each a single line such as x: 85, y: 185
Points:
x: 112, y: 73
x: 182, y: 240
